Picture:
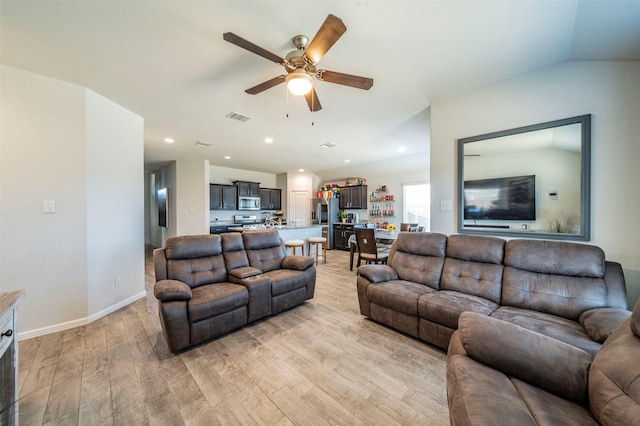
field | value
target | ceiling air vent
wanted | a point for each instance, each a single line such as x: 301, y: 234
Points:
x: 202, y: 144
x: 237, y: 116
x: 328, y: 145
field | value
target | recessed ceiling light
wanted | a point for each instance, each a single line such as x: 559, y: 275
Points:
x: 301, y: 170
x: 268, y: 140
x: 347, y: 161
x: 226, y: 157
x: 327, y: 145
x: 402, y: 149
x: 169, y: 140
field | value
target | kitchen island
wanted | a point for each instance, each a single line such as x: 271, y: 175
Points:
x: 287, y: 232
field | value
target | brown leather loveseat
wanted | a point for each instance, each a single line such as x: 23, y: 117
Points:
x: 501, y: 374
x: 566, y: 291
x: 208, y: 285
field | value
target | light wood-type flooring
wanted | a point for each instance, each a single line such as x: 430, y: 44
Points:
x: 320, y: 363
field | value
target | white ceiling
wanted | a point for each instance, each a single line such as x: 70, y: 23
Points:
x: 167, y: 62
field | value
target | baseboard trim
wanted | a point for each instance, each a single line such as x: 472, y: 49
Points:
x: 79, y: 322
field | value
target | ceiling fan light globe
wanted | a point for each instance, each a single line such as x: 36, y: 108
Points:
x: 299, y: 83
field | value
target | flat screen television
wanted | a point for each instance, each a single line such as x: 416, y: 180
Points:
x: 508, y: 198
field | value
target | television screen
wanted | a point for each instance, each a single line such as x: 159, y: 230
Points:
x: 162, y: 207
x: 509, y: 198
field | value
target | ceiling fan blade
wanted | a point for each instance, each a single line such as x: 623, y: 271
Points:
x: 266, y: 85
x: 246, y: 44
x: 345, y: 79
x: 330, y: 31
x: 312, y: 100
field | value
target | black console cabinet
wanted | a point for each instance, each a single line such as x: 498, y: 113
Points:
x: 341, y: 234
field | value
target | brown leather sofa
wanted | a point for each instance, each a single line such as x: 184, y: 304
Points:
x: 564, y: 290
x: 499, y: 373
x: 208, y: 285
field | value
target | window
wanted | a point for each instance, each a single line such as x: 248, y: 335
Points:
x: 417, y: 201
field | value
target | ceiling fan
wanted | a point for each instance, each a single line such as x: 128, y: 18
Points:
x: 300, y: 64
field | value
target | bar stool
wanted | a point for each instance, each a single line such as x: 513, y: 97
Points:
x: 320, y: 243
x: 294, y: 244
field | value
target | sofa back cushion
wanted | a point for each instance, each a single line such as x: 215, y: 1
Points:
x: 419, y: 257
x: 233, y: 250
x: 614, y: 376
x: 558, y: 278
x: 473, y: 265
x: 195, y: 259
x: 265, y: 249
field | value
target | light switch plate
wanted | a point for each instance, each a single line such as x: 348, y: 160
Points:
x: 48, y: 207
x: 445, y: 205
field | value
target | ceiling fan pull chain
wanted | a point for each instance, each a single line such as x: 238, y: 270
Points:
x: 287, y: 111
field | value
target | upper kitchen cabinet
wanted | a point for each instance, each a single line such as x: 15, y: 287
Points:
x: 270, y: 199
x: 222, y: 197
x: 353, y: 197
x: 248, y: 189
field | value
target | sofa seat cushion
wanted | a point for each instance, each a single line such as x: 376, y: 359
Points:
x: 399, y: 295
x: 550, y: 325
x: 550, y: 409
x: 285, y: 280
x: 480, y: 395
x: 215, y: 299
x: 444, y: 307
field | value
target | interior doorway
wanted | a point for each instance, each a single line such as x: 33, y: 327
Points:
x: 299, y: 207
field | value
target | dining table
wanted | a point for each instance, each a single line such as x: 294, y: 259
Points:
x: 382, y: 236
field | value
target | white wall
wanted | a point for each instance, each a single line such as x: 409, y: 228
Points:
x: 43, y: 158
x: 46, y: 153
x: 115, y: 203
x: 227, y: 175
x: 191, y: 197
x: 607, y: 90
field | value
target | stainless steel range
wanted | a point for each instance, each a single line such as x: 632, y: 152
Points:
x: 247, y: 221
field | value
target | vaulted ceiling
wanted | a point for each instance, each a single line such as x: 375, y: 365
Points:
x: 167, y: 62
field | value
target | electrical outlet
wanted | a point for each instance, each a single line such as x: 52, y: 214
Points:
x: 118, y: 281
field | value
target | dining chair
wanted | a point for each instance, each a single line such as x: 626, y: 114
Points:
x: 368, y: 248
x: 407, y: 226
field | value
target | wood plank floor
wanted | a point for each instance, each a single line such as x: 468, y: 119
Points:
x: 320, y: 363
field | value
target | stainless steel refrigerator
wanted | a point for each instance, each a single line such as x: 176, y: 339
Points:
x: 324, y: 211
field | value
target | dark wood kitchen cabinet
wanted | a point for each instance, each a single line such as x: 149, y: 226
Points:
x: 222, y: 197
x: 353, y: 197
x: 248, y: 189
x: 341, y: 234
x: 270, y: 199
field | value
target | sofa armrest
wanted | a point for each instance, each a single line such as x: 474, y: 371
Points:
x: 168, y: 290
x: 529, y: 356
x: 378, y: 273
x: 455, y: 345
x: 299, y: 263
x: 599, y: 323
x: 244, y: 272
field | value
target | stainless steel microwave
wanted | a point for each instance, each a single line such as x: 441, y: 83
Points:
x: 248, y: 203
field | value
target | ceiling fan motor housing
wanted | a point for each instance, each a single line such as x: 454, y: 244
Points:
x: 300, y: 41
